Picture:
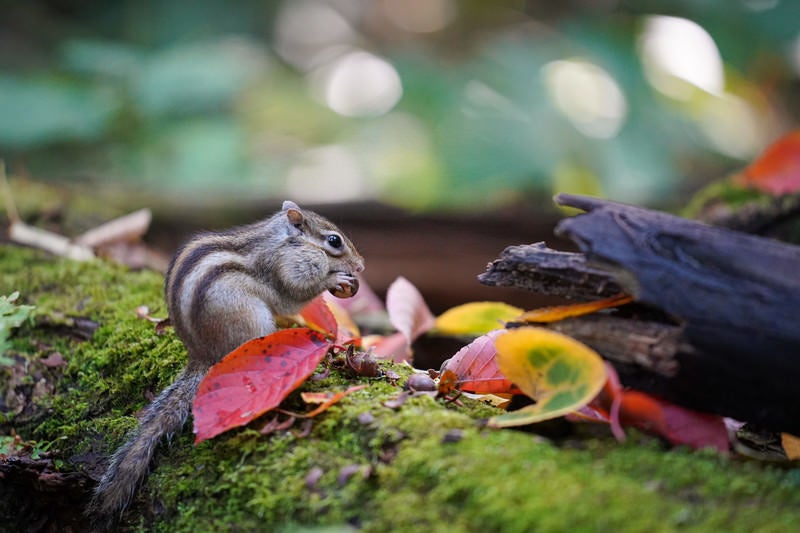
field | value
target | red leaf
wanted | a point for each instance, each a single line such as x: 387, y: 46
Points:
x: 777, y: 170
x: 677, y: 424
x: 476, y: 367
x: 408, y: 311
x: 318, y: 316
x: 255, y: 378
x: 448, y: 382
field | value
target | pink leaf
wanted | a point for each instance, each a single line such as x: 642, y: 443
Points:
x: 614, y: 392
x: 408, y: 311
x: 476, y: 367
x: 393, y: 347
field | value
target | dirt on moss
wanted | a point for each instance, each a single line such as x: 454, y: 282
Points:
x: 364, y: 464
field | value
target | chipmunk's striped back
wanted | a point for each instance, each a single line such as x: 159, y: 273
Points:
x: 195, y: 273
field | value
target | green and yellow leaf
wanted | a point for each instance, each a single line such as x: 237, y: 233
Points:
x: 558, y: 372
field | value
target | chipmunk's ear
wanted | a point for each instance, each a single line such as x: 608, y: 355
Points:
x: 293, y: 213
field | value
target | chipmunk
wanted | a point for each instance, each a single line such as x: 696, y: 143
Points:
x: 222, y: 290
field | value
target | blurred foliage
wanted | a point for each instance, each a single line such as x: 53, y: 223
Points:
x: 499, y: 101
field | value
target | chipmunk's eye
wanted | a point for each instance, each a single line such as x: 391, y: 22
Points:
x: 335, y: 241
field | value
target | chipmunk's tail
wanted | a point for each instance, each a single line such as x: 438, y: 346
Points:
x: 129, y: 465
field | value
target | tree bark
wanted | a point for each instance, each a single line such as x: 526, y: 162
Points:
x: 536, y: 267
x: 735, y: 299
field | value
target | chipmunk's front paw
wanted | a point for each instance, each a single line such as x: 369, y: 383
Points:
x: 345, y: 285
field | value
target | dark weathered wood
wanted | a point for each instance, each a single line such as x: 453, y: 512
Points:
x: 737, y: 295
x: 734, y: 300
x: 653, y: 346
x: 715, y: 279
x: 537, y: 268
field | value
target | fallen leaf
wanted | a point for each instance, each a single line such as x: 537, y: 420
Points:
x: 476, y: 367
x: 362, y: 363
x: 255, y: 378
x: 777, y: 170
x: 560, y: 312
x: 680, y: 426
x: 448, y: 382
x: 612, y: 394
x: 127, y: 228
x: 326, y: 399
x: 408, y: 312
x: 393, y: 347
x: 791, y: 445
x: 476, y: 318
x: 316, y: 397
x: 556, y: 371
x: 318, y: 316
x: 347, y: 328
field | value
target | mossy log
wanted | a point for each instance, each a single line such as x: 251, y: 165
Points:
x: 427, y: 465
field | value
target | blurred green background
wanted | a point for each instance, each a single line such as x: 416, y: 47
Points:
x: 421, y: 104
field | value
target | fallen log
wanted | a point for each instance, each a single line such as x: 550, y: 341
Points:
x: 734, y: 297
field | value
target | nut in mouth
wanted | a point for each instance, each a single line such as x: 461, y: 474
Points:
x: 346, y: 287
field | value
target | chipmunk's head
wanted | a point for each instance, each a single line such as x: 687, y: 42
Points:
x: 321, y: 232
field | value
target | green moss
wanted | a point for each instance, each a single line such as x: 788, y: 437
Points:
x: 123, y: 359
x: 520, y: 483
x: 723, y: 192
x: 427, y: 465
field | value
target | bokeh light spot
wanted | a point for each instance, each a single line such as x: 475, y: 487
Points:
x: 676, y: 51
x: 587, y: 95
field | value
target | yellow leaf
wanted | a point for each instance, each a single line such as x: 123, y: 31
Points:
x: 560, y: 373
x: 791, y: 445
x: 476, y: 318
x: 560, y: 312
